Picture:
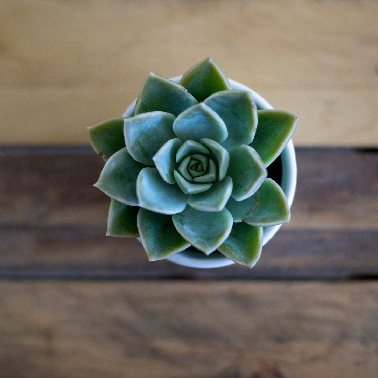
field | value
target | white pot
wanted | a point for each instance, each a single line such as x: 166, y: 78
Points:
x: 195, y: 259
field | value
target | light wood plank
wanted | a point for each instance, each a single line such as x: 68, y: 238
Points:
x: 68, y: 65
x: 43, y: 116
x: 182, y: 329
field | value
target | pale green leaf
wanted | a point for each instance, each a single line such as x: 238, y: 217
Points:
x: 244, y: 244
x: 107, y: 137
x: 158, y: 93
x: 146, y: 133
x: 159, y: 236
x: 199, y: 122
x: 118, y: 177
x: 246, y: 170
x: 122, y: 220
x: 204, y: 79
x: 203, y: 229
x: 157, y: 195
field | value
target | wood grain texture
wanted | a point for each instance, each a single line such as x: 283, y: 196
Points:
x: 71, y: 252
x: 68, y: 65
x: 182, y: 329
x: 337, y: 188
x: 53, y: 221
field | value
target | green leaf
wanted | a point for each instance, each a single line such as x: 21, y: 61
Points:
x: 270, y: 206
x: 146, y: 133
x: 157, y: 195
x: 183, y: 169
x: 243, y: 245
x: 213, y: 199
x: 190, y: 147
x: 158, y: 93
x: 239, y: 113
x: 201, y: 158
x: 118, y: 177
x: 203, y: 229
x: 122, y: 220
x: 220, y: 155
x: 190, y: 187
x: 204, y: 79
x: 211, y: 174
x: 239, y: 209
x: 165, y: 160
x: 199, y: 122
x: 246, y: 170
x: 159, y: 236
x: 107, y: 137
x: 274, y: 130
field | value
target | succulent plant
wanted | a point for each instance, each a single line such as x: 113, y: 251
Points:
x: 190, y: 167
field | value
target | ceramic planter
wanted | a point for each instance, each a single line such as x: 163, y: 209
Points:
x: 287, y: 180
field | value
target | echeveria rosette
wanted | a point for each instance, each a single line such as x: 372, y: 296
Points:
x: 189, y: 167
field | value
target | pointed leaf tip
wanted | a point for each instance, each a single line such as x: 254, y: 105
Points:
x: 199, y: 122
x: 159, y: 93
x: 159, y: 236
x: 203, y: 229
x: 204, y: 79
x: 139, y: 129
x: 118, y: 177
x: 274, y: 130
x: 107, y: 137
x: 122, y: 220
x: 244, y: 244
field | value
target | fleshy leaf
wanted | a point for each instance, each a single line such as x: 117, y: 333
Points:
x: 118, y: 177
x: 203, y: 159
x: 204, y: 79
x: 270, y: 206
x: 190, y: 187
x: 183, y: 169
x: 213, y: 199
x: 146, y: 133
x: 211, y: 174
x: 203, y: 229
x: 243, y: 245
x: 165, y: 160
x: 190, y: 147
x: 107, y: 137
x: 158, y: 93
x: 122, y: 220
x: 246, y: 170
x: 220, y: 155
x: 274, y: 130
x: 159, y: 236
x: 239, y: 209
x: 199, y: 122
x: 239, y: 113
x: 157, y: 195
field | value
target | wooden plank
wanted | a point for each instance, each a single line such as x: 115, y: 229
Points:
x: 79, y: 252
x: 188, y: 329
x: 337, y: 188
x: 60, y: 116
x: 53, y: 221
x: 61, y: 72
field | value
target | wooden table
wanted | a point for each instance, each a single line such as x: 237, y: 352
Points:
x: 74, y: 303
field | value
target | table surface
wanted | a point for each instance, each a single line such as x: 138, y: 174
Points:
x: 74, y: 303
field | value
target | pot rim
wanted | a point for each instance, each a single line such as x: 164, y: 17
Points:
x: 194, y: 259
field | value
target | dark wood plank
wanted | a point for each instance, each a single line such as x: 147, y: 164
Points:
x: 53, y: 221
x: 182, y: 329
x: 337, y: 188
x: 84, y: 252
